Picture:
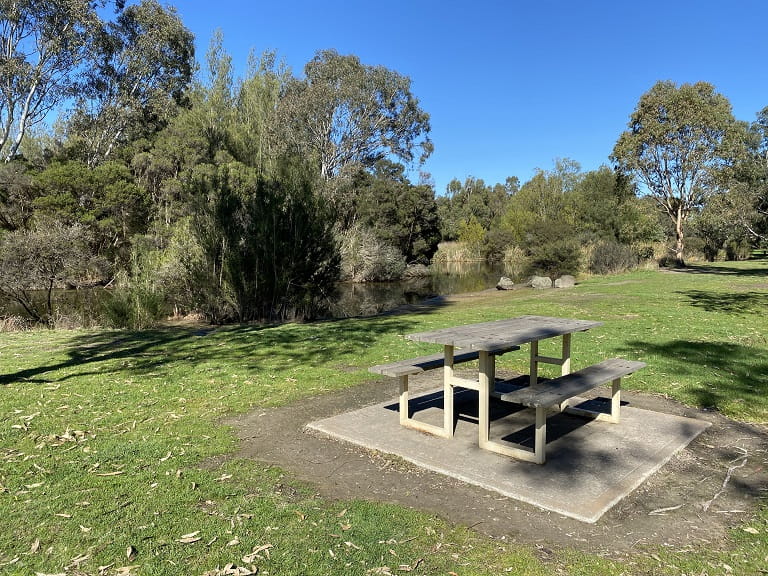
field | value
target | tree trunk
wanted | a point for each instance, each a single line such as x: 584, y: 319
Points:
x: 680, y: 238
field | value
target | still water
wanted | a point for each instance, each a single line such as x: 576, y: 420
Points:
x: 82, y: 306
x: 375, y: 297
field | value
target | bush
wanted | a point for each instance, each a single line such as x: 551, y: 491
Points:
x: 267, y: 245
x: 554, y: 258
x: 610, y: 257
x: 497, y: 241
x: 738, y: 250
x: 364, y: 258
x: 134, y: 303
x: 14, y: 324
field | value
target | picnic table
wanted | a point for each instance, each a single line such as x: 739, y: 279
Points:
x: 484, y: 341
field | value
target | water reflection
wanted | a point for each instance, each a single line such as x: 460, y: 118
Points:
x: 82, y: 307
x: 445, y: 279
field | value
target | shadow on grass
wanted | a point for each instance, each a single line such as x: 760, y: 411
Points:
x: 732, y: 373
x: 252, y: 346
x: 735, y: 302
x: 760, y: 271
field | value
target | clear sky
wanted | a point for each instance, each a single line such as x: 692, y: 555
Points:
x: 512, y: 85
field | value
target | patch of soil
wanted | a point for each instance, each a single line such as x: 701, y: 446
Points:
x: 713, y: 484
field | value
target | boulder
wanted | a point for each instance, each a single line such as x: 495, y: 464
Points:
x: 565, y: 281
x: 505, y: 284
x: 540, y: 282
x: 416, y: 271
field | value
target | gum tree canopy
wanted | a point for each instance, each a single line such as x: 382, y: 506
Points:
x: 344, y: 112
x: 42, y: 44
x: 677, y: 140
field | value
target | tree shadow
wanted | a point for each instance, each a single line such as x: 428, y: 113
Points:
x: 251, y: 346
x: 735, y: 302
x: 734, y: 372
x: 761, y: 271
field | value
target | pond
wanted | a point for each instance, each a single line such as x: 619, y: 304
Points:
x: 371, y: 298
x: 81, y: 307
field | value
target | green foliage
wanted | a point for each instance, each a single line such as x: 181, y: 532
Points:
x: 267, y: 245
x: 474, y: 198
x: 45, y: 44
x: 142, y: 65
x: 138, y: 298
x: 472, y: 234
x: 553, y: 252
x: 17, y: 194
x: 678, y: 138
x: 345, y: 113
x: 398, y: 213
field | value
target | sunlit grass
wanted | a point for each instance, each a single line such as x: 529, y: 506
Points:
x: 106, y: 435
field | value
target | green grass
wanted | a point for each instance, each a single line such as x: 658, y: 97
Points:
x: 105, y: 435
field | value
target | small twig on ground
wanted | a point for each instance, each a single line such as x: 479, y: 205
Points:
x: 728, y: 477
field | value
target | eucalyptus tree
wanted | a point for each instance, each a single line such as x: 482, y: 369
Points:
x: 44, y: 44
x: 399, y: 213
x: 344, y: 112
x: 143, y: 66
x: 679, y: 137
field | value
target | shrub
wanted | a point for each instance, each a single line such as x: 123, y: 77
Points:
x: 14, y: 324
x: 610, y: 257
x: 554, y: 258
x: 135, y: 302
x: 267, y: 245
x: 364, y: 258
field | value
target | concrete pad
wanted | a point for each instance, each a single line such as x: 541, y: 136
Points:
x: 591, y: 465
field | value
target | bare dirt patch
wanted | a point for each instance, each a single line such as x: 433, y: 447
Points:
x: 710, y: 486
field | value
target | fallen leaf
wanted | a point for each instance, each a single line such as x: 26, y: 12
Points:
x: 131, y: 553
x: 190, y: 538
x: 234, y: 542
x: 256, y: 553
x: 751, y: 530
x: 35, y: 546
x: 115, y: 473
x: 85, y: 529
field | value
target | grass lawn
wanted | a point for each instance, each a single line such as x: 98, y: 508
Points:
x: 105, y: 435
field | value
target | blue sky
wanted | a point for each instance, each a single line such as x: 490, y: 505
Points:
x: 513, y: 85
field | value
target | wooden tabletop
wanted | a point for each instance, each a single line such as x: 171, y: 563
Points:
x: 490, y: 336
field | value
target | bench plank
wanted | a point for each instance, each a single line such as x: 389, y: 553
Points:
x: 557, y: 390
x: 412, y: 366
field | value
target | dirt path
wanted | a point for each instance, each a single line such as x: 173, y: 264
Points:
x: 713, y: 484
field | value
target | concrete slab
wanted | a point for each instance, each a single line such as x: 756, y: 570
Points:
x: 591, y: 465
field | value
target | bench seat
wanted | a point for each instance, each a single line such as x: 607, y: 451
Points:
x: 557, y: 392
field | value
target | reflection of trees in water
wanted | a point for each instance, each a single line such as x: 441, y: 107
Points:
x: 352, y: 299
x: 376, y: 297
